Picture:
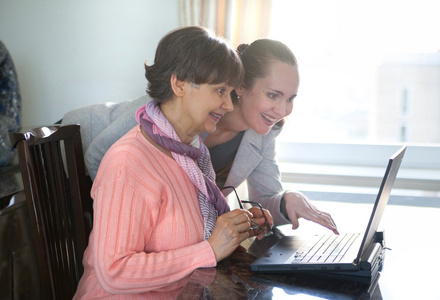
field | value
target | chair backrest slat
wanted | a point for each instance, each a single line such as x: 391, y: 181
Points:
x: 58, y: 196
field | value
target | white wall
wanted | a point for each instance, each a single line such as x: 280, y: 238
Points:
x: 73, y: 53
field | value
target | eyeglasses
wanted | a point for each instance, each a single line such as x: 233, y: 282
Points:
x: 267, y: 231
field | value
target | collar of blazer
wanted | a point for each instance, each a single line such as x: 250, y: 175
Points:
x: 249, y: 155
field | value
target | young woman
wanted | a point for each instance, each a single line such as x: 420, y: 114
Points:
x: 158, y: 214
x: 243, y: 146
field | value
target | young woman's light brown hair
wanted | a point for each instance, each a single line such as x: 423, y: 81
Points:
x: 257, y: 57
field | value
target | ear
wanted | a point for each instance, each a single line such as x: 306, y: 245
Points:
x: 177, y: 85
x: 239, y: 90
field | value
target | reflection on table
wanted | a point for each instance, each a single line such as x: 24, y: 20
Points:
x: 400, y: 279
x: 234, y: 280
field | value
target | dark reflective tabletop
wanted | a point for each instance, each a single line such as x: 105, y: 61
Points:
x: 233, y: 279
x: 406, y: 275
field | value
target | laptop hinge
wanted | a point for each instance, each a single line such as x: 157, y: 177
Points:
x: 373, y: 253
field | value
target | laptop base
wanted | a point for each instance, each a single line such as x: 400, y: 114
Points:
x: 365, y: 271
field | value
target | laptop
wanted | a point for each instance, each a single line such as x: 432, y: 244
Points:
x: 356, y: 256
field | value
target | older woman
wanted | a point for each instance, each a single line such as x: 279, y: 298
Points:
x: 158, y: 214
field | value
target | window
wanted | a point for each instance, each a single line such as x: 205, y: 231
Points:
x: 369, y: 75
x: 404, y: 103
x: 354, y: 59
x: 403, y: 133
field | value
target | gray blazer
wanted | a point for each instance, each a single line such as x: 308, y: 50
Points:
x: 103, y: 124
x: 255, y: 162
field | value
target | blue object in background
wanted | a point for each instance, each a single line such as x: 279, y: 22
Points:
x: 10, y: 105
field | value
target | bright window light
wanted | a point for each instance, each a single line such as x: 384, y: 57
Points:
x: 357, y: 60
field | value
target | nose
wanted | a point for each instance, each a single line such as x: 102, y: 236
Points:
x: 282, y: 109
x: 227, y: 104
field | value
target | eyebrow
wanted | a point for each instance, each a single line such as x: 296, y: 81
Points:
x: 281, y: 93
x: 276, y: 91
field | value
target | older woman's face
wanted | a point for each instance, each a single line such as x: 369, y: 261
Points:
x: 271, y: 98
x: 206, y: 104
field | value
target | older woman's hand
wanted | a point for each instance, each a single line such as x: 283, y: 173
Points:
x: 230, y: 230
x: 261, y: 221
x: 298, y: 206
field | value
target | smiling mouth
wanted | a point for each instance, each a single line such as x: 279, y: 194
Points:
x: 215, y: 116
x: 268, y: 118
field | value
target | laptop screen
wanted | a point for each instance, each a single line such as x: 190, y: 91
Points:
x: 381, y: 200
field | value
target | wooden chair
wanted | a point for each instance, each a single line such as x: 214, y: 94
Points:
x: 60, y: 207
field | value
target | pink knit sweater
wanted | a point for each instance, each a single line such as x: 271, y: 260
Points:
x: 148, y: 229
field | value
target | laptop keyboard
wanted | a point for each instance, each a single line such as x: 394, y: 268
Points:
x: 327, y: 248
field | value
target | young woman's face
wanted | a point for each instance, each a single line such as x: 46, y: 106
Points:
x: 271, y: 98
x: 207, y: 104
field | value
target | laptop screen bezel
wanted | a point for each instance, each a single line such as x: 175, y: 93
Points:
x: 381, y: 201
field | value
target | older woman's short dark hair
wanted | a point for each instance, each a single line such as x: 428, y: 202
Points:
x: 195, y: 55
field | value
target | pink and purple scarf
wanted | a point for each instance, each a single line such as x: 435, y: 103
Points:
x: 211, y: 200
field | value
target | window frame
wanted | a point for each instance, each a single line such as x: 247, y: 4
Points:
x: 358, y: 165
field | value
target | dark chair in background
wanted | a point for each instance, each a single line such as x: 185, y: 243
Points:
x: 60, y: 207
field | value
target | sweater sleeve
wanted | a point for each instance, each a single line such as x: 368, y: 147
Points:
x: 123, y: 229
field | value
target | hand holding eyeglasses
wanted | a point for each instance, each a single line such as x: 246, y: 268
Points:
x: 230, y: 230
x: 235, y: 226
x: 262, y: 220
